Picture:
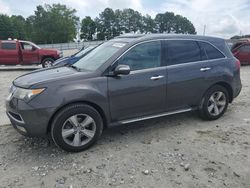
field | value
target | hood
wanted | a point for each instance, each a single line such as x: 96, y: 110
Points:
x: 46, y: 75
x: 48, y: 49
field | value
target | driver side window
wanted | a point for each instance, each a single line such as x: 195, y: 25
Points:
x: 26, y: 46
x: 143, y: 56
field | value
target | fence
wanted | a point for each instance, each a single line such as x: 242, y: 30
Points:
x: 70, y: 46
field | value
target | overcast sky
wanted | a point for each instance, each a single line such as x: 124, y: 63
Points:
x: 222, y: 18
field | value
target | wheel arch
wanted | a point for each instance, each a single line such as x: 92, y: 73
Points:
x: 47, y: 56
x: 95, y: 106
x: 226, y: 86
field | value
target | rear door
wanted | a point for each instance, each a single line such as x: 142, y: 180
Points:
x: 143, y: 91
x: 185, y: 83
x: 30, y: 53
x: 9, y: 53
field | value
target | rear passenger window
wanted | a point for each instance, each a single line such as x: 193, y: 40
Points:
x: 181, y: 51
x: 209, y: 52
x: 8, y: 46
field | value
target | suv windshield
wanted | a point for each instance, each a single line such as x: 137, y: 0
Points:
x: 84, y: 51
x: 98, y: 56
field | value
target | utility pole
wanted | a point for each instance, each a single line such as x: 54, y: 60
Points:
x: 204, y: 30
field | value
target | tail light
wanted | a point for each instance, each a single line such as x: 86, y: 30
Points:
x: 237, y: 63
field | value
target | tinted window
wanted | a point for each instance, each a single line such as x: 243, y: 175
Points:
x: 143, y: 56
x: 26, y: 46
x: 245, y: 48
x: 209, y: 52
x: 181, y: 51
x: 8, y: 45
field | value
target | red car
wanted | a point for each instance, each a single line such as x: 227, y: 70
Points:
x: 18, y: 52
x: 241, y: 51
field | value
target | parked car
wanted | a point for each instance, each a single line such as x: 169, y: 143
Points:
x: 241, y: 51
x: 18, y: 52
x: 125, y: 80
x: 74, y: 58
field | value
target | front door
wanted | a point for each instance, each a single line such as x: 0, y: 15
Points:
x: 29, y: 54
x: 143, y: 91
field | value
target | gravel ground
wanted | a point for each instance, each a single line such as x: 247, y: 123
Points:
x: 175, y: 151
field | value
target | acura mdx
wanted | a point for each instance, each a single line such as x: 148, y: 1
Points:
x: 124, y: 80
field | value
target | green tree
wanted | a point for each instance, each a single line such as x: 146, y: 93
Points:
x: 106, y: 23
x: 171, y: 23
x: 88, y: 28
x: 183, y: 25
x: 19, y: 27
x: 240, y: 37
x: 131, y: 20
x: 6, y: 27
x: 165, y: 22
x: 54, y: 23
x: 149, y: 25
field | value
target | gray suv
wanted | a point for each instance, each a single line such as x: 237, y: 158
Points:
x: 127, y: 79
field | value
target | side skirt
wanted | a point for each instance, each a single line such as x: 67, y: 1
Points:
x: 150, y: 117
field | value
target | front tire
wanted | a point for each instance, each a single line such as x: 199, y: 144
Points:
x: 76, y: 127
x: 214, y: 103
x: 47, y: 62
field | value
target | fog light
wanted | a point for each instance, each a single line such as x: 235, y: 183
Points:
x: 21, y: 129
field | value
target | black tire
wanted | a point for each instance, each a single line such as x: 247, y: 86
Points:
x: 206, y: 103
x: 46, y: 61
x: 62, y: 117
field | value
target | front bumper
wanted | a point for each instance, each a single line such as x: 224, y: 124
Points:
x: 28, y: 120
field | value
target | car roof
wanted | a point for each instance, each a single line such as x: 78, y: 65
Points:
x: 14, y: 40
x: 137, y: 38
x: 7, y: 40
x: 142, y: 37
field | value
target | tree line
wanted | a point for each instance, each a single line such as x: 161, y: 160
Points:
x: 240, y: 37
x: 58, y: 23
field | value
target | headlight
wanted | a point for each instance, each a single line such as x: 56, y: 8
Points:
x: 60, y: 53
x: 27, y: 94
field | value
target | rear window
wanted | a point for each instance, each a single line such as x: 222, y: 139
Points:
x: 181, y: 51
x: 245, y: 48
x: 209, y: 52
x: 8, y: 46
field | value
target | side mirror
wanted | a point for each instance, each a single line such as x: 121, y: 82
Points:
x: 122, y: 70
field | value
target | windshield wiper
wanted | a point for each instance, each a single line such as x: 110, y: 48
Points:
x: 75, y: 67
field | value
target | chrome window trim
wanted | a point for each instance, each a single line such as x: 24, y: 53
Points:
x: 167, y: 66
x: 195, y: 62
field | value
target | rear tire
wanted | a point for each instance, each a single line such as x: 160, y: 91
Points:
x: 47, y: 62
x: 214, y: 103
x: 76, y: 128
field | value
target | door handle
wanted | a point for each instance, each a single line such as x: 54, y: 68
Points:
x: 204, y: 69
x: 156, y: 77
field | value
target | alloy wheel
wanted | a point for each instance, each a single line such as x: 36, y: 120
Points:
x: 47, y: 64
x: 78, y: 130
x: 216, y: 103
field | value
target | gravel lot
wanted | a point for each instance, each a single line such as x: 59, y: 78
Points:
x: 175, y: 151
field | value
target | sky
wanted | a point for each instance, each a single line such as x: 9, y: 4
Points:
x: 223, y: 18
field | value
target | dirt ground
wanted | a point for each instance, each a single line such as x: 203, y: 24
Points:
x: 175, y: 151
